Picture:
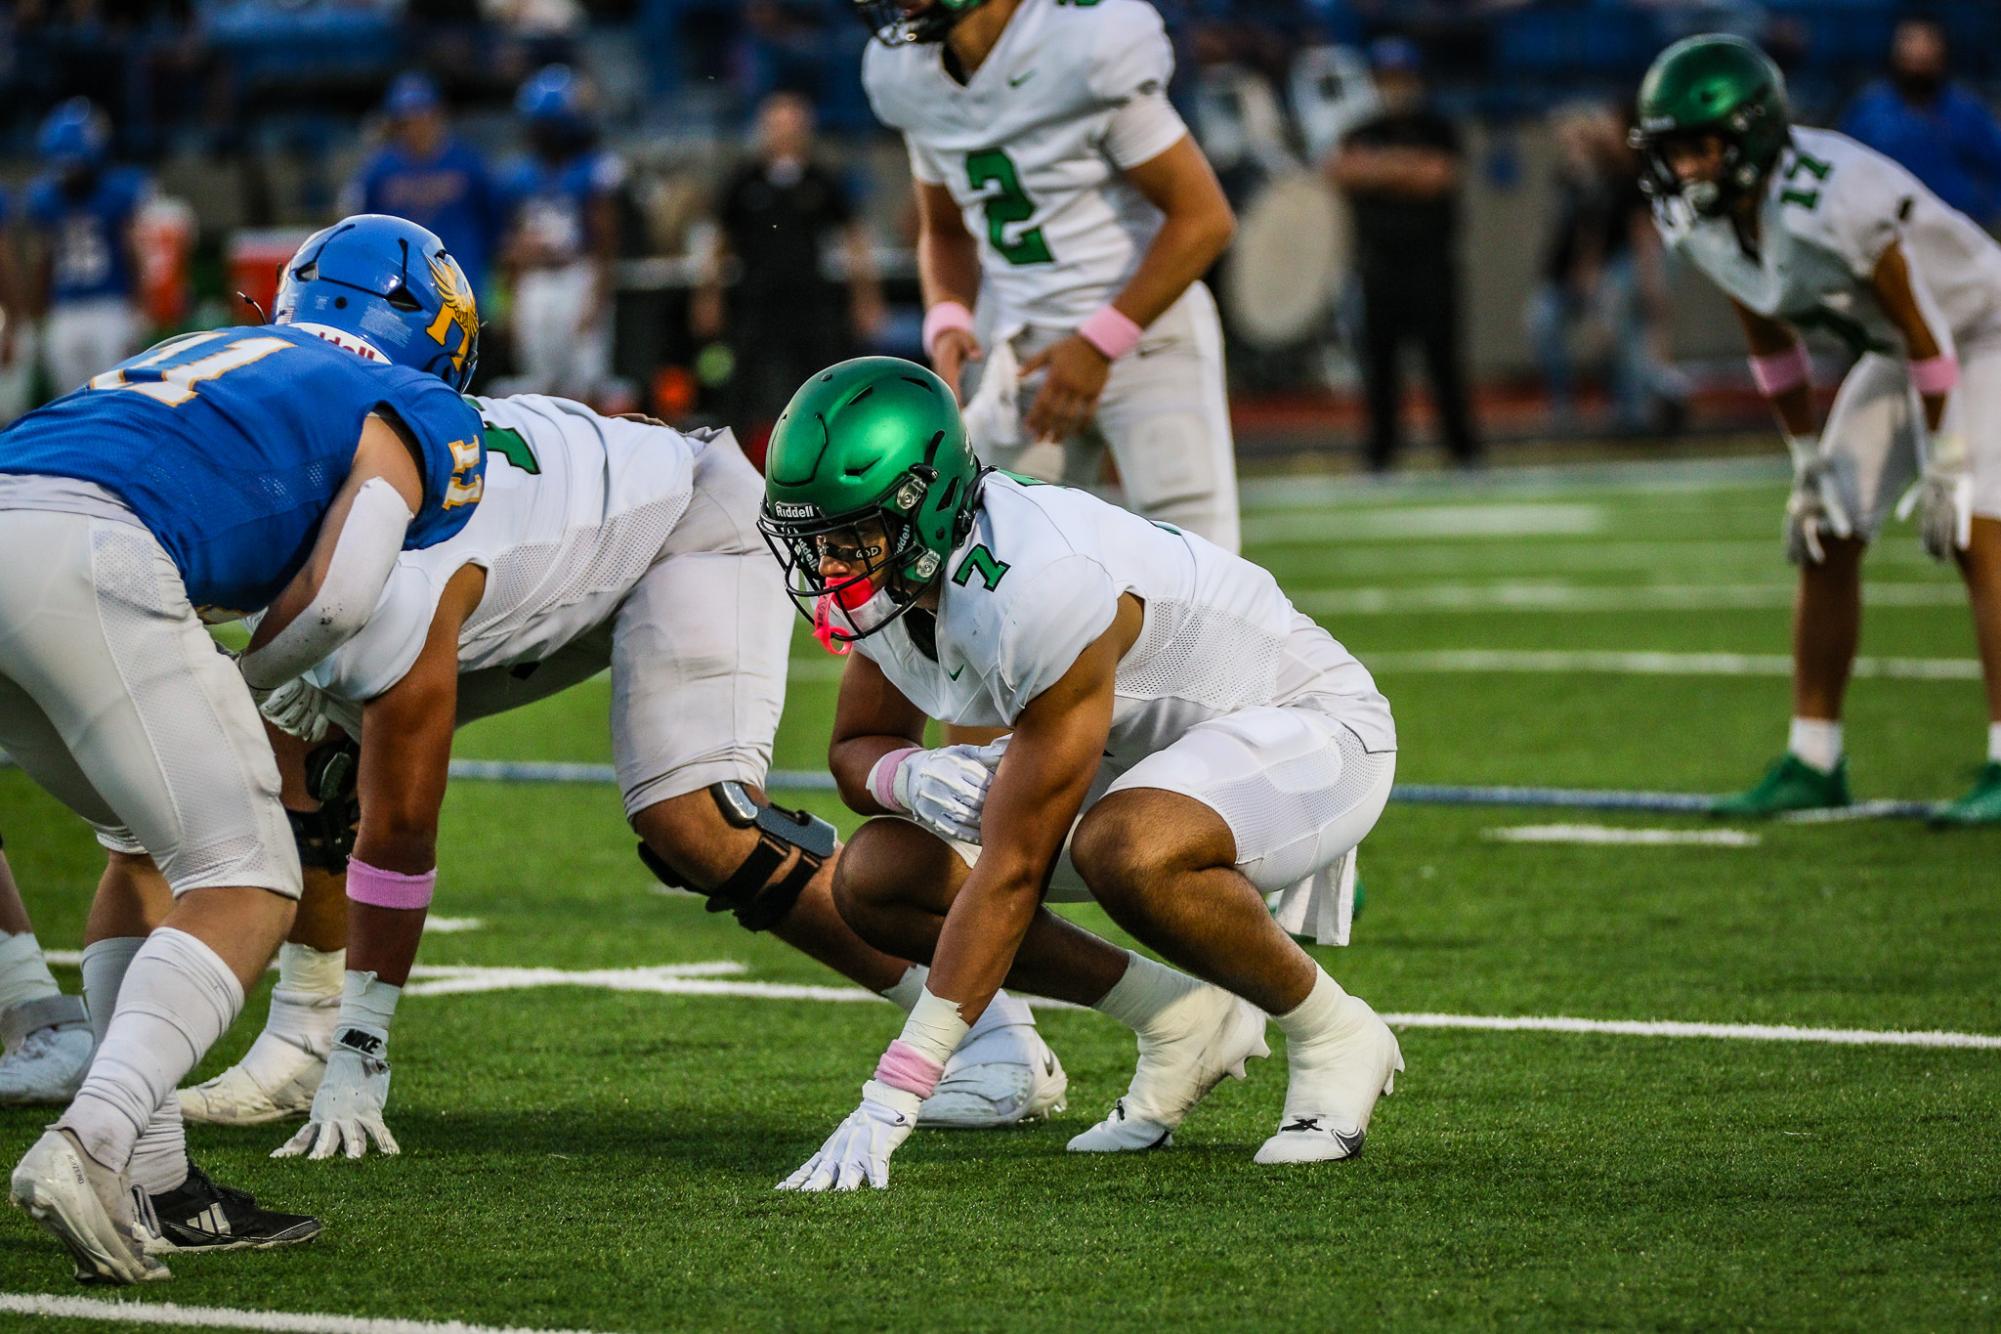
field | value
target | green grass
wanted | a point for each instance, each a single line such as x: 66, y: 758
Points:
x: 581, y: 1158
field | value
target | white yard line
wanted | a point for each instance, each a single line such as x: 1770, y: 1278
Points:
x: 452, y: 926
x: 1615, y: 663
x: 1429, y: 523
x: 1593, y: 835
x: 115, y: 1312
x: 1674, y: 1028
x: 1554, y: 595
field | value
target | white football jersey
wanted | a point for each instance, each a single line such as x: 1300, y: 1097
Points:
x: 1034, y: 146
x: 1039, y: 579
x: 1831, y: 208
x: 577, y: 508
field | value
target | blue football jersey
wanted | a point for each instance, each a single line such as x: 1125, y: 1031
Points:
x: 551, y: 201
x: 230, y: 445
x: 86, y: 232
x: 452, y: 193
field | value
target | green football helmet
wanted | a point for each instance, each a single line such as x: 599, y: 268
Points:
x: 1719, y: 85
x: 901, y: 22
x: 875, y: 440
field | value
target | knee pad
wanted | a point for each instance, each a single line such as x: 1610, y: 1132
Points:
x: 759, y: 900
x: 326, y: 836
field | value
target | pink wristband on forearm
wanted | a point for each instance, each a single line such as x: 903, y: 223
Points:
x: 904, y: 1067
x: 1782, y: 371
x: 389, y: 889
x: 882, y: 778
x: 942, y: 319
x: 1935, y: 375
x: 1111, y: 331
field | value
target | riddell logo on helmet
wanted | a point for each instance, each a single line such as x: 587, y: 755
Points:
x: 785, y: 510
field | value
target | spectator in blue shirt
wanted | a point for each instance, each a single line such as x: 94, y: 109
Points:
x: 435, y: 180
x: 1945, y: 136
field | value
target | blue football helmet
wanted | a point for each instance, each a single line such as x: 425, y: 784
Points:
x: 393, y: 285
x: 551, y: 94
x: 74, y: 135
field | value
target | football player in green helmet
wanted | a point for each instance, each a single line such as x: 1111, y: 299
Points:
x: 1179, y: 743
x: 1806, y: 229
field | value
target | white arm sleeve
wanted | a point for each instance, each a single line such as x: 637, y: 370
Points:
x: 1071, y: 603
x: 1142, y: 130
x: 363, y: 555
x: 924, y: 168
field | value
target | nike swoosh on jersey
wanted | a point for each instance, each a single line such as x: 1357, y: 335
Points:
x: 1016, y: 80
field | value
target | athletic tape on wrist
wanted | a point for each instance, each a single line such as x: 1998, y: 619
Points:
x: 882, y: 777
x: 904, y: 1067
x: 1778, y: 372
x: 942, y: 319
x: 934, y: 1028
x: 389, y: 889
x: 1111, y: 331
x: 1935, y: 375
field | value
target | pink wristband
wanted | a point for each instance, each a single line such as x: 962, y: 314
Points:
x: 904, y: 1067
x: 882, y: 778
x: 1781, y: 371
x: 389, y: 889
x: 943, y: 318
x: 1935, y: 375
x: 1110, y: 331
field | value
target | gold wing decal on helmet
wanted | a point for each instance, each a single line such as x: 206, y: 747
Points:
x: 458, y: 308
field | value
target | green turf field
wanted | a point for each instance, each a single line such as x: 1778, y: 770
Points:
x: 578, y: 1156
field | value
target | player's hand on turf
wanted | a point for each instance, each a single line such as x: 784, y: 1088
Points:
x: 1943, y: 498
x: 299, y: 709
x: 945, y: 790
x: 858, y: 1150
x: 949, y: 354
x: 347, y: 1111
x: 1076, y: 376
x: 1814, y: 511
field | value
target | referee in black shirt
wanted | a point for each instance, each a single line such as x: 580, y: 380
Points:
x: 1401, y: 171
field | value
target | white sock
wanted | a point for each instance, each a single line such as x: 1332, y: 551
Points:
x: 305, y: 1010
x: 908, y: 988
x: 1314, y: 1016
x: 1143, y: 991
x: 1817, y: 741
x: 1994, y: 743
x: 176, y: 998
x: 160, y: 1157
x: 24, y: 973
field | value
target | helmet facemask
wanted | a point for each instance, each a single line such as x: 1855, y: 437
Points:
x: 895, y: 23
x: 1736, y: 178
x: 880, y: 543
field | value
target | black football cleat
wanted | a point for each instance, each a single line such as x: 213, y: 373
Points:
x: 199, y: 1216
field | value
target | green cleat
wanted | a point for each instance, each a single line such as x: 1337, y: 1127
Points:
x: 1790, y: 785
x: 1980, y: 806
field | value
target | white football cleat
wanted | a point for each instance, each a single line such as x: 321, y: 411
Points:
x: 48, y: 1044
x: 1211, y: 1034
x: 275, y: 1081
x: 1333, y: 1088
x: 87, y: 1207
x: 1002, y: 1074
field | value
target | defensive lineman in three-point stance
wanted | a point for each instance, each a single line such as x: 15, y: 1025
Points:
x: 1043, y: 129
x: 1806, y: 228
x: 279, y: 468
x: 601, y: 544
x: 1218, y: 745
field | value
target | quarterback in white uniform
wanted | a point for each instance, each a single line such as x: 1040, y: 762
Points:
x: 1806, y: 229
x: 1043, y: 129
x: 1218, y: 745
x: 609, y: 543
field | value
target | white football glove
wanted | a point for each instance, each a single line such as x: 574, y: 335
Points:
x: 946, y: 789
x: 347, y: 1111
x: 860, y: 1146
x: 1813, y: 511
x: 299, y: 708
x: 1943, y: 498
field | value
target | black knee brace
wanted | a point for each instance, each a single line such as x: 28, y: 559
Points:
x: 758, y: 901
x: 326, y: 836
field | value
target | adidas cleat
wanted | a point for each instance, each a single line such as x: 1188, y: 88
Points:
x: 1980, y: 806
x: 1791, y: 784
x: 1333, y: 1088
x: 283, y: 1088
x: 1002, y: 1074
x: 48, y: 1044
x: 200, y: 1216
x: 87, y: 1207
x: 1218, y: 1034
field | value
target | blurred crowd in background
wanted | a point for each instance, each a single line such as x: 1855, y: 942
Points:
x: 686, y: 205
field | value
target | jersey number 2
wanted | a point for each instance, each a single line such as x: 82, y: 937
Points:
x: 175, y: 374
x: 1007, y: 207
